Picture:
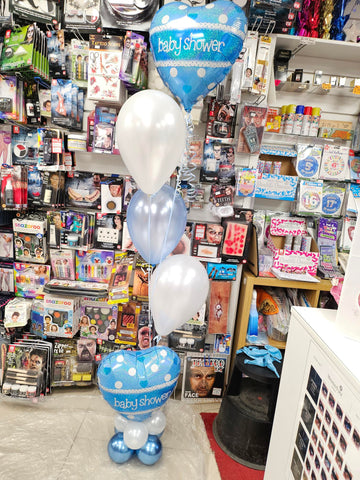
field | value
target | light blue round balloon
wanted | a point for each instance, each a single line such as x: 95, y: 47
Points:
x: 151, y: 452
x: 194, y: 48
x: 117, y: 449
x: 156, y: 223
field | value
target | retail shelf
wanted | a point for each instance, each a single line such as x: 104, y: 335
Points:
x: 292, y: 140
x: 298, y: 87
x: 283, y: 151
x: 293, y: 87
x: 320, y: 48
x: 273, y: 343
x: 250, y: 281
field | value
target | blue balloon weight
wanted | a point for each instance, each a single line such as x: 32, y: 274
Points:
x: 156, y: 223
x: 118, y: 451
x: 151, y: 452
x: 195, y: 47
x: 135, y: 383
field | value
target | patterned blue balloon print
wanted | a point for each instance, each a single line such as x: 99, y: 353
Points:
x: 194, y: 48
x: 137, y: 383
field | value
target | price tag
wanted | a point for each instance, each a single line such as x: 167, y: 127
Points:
x: 356, y: 90
x: 307, y: 41
x: 326, y: 86
x: 56, y: 145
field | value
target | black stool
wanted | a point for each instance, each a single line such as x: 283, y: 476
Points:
x: 243, y: 425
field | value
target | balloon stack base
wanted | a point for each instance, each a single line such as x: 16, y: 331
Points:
x: 148, y: 454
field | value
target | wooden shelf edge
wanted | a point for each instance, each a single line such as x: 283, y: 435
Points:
x: 273, y: 343
x: 323, y: 285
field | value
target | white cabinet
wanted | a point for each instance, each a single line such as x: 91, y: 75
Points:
x: 317, y: 419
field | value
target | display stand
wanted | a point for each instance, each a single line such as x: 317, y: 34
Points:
x: 243, y: 426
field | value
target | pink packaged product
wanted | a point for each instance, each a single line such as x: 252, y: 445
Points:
x: 292, y: 258
x: 63, y: 264
x: 282, y: 226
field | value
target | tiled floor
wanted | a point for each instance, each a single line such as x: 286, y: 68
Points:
x: 66, y: 437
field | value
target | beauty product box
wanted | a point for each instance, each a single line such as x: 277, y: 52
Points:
x: 61, y: 315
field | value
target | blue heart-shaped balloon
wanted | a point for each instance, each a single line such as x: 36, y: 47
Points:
x: 137, y: 383
x: 195, y: 47
x: 156, y: 222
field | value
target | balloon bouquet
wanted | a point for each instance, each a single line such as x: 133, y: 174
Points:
x: 194, y: 49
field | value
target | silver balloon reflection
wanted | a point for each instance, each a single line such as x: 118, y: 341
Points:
x: 151, y: 452
x: 151, y: 136
x: 178, y: 289
x: 118, y: 451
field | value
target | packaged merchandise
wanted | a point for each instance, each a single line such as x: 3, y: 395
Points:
x: 333, y: 198
x: 5, y: 145
x: 45, y: 102
x: 326, y: 240
x: 98, y: 319
x: 73, y: 362
x: 30, y: 279
x: 24, y: 143
x: 104, y: 129
x: 218, y: 308
x: 209, y: 171
x: 59, y: 60
x: 94, y: 265
x: 108, y: 231
x: 30, y: 239
x: 137, y: 17
x: 221, y: 120
x: 245, y: 182
x: 61, y: 315
x: 14, y: 188
x: 63, y: 264
x: 213, y: 367
x: 83, y: 189
x: 310, y: 197
x: 105, y: 54
x: 27, y: 369
x: 128, y: 323
x: 83, y: 15
x: 79, y: 62
x: 252, y: 125
x: 308, y: 160
x: 61, y: 105
x: 334, y: 164
x: 207, y: 241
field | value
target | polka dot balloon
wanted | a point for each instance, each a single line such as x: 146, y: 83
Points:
x: 194, y: 48
x: 136, y: 383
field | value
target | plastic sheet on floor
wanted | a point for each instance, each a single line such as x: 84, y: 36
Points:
x: 65, y: 437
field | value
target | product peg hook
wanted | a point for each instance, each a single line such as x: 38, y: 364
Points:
x: 49, y: 27
x: 259, y: 100
x: 270, y: 28
x: 255, y: 26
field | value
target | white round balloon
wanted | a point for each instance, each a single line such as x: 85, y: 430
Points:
x: 151, y: 136
x: 135, y: 435
x: 120, y: 423
x: 178, y: 289
x: 156, y: 423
